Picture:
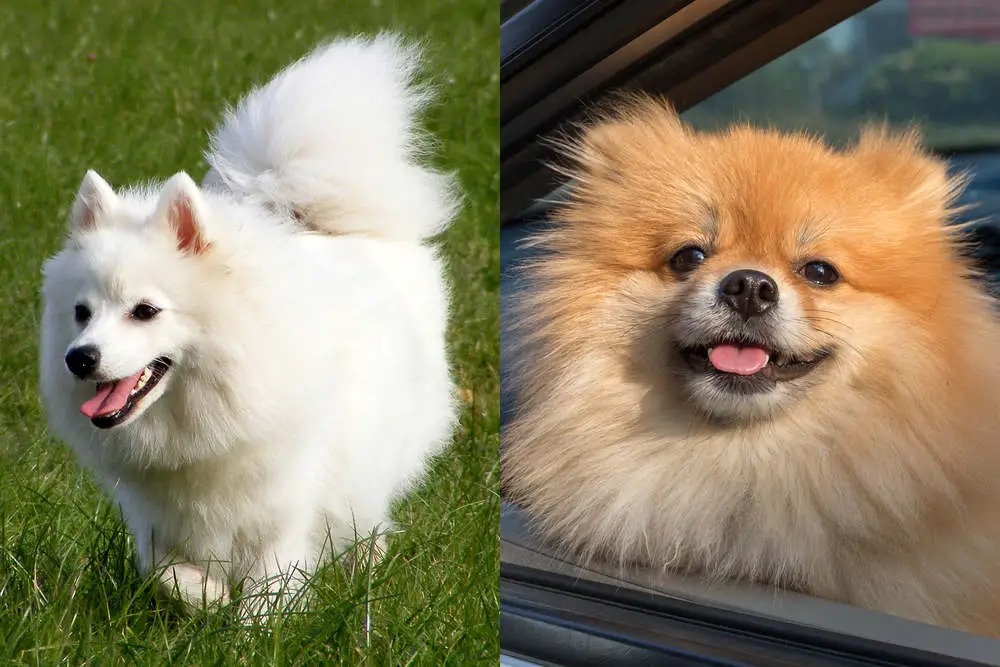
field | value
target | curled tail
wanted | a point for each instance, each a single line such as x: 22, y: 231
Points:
x: 333, y: 140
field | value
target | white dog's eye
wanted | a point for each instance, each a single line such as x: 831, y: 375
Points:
x: 144, y: 312
x: 81, y: 313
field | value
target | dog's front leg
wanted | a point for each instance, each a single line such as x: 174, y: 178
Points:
x: 193, y: 586
x: 276, y: 578
x: 276, y: 588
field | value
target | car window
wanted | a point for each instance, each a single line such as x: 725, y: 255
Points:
x: 931, y: 62
x: 937, y: 63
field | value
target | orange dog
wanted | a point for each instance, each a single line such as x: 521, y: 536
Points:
x: 750, y: 355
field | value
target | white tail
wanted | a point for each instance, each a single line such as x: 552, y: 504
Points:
x: 333, y: 140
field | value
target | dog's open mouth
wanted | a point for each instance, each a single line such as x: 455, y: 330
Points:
x: 116, y: 400
x: 750, y: 368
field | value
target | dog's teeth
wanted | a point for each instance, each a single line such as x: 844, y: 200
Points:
x: 142, y: 380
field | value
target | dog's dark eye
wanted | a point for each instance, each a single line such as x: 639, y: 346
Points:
x: 687, y: 259
x: 81, y: 313
x: 144, y: 312
x: 820, y: 273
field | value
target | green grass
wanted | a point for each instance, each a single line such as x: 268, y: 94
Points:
x: 130, y: 89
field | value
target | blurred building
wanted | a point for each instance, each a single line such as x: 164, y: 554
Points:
x: 968, y: 19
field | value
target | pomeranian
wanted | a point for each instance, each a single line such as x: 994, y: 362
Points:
x: 748, y: 355
x: 255, y: 368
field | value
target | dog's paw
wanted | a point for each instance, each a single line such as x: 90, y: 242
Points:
x: 194, y: 587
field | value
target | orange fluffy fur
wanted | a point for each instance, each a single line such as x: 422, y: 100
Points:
x: 876, y: 484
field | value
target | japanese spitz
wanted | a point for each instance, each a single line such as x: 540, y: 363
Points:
x: 750, y: 355
x: 255, y: 368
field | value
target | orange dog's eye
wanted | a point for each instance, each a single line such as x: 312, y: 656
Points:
x: 686, y: 260
x: 820, y: 273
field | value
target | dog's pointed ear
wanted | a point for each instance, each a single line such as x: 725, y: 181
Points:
x: 94, y: 201
x: 901, y: 163
x: 182, y: 208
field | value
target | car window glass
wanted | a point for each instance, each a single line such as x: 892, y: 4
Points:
x: 934, y: 62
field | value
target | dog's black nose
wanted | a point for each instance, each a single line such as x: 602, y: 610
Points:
x: 748, y: 292
x: 82, y: 361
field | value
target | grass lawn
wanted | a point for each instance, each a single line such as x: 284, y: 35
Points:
x: 131, y: 89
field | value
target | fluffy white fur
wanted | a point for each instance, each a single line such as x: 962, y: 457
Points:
x: 304, y: 314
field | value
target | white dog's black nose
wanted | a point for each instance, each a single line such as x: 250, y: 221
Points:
x: 82, y: 361
x: 748, y: 292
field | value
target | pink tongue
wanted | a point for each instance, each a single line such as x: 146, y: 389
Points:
x: 110, y: 397
x: 738, y: 360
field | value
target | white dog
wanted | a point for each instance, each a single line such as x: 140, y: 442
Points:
x: 260, y: 363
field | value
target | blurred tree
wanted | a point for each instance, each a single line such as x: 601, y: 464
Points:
x: 936, y: 80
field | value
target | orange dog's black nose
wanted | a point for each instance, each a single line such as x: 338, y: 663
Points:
x: 748, y: 292
x: 82, y: 361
